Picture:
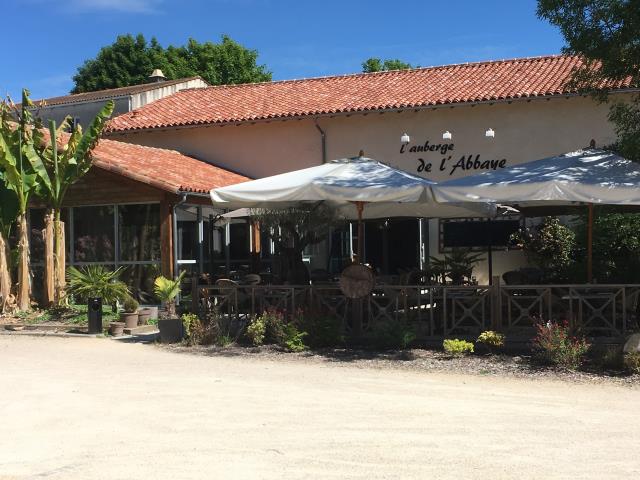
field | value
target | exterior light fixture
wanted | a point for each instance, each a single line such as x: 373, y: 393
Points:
x: 447, y: 135
x: 490, y: 133
x: 405, y: 138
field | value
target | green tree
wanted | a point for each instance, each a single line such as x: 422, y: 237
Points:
x: 292, y: 230
x: 17, y: 155
x: 606, y: 33
x: 130, y: 60
x: 58, y: 169
x: 377, y: 65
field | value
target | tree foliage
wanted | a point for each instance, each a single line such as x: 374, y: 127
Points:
x: 549, y: 246
x: 58, y: 169
x: 130, y: 60
x: 374, y: 64
x: 606, y: 33
x: 616, y: 245
x: 294, y: 229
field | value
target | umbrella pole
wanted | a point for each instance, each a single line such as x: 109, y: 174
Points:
x: 360, y: 208
x: 590, y: 244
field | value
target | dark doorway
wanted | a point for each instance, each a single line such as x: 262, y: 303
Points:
x: 392, y: 245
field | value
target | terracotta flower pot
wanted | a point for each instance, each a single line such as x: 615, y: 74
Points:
x: 153, y: 312
x: 143, y: 316
x: 116, y: 328
x: 130, y: 319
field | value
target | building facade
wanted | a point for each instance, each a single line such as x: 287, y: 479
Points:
x: 264, y: 129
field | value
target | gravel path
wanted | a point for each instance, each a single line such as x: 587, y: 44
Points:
x: 95, y: 408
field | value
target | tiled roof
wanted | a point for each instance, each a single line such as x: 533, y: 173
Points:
x: 164, y: 169
x: 112, y: 92
x: 400, y: 89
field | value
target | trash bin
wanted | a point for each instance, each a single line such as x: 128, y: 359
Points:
x: 95, y: 315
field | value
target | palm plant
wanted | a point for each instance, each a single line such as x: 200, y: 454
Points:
x: 167, y: 290
x: 57, y: 170
x: 17, y: 155
x: 97, y: 281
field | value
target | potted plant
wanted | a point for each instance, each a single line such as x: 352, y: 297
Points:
x: 144, y: 315
x: 95, y: 281
x: 170, y: 326
x: 130, y: 314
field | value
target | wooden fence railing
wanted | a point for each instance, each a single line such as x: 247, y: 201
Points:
x: 437, y: 311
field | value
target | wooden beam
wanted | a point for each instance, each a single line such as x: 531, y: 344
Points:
x: 166, y: 236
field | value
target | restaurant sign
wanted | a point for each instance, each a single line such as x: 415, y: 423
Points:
x: 450, y: 162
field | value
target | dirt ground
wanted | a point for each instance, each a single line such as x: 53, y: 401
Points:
x: 92, y: 408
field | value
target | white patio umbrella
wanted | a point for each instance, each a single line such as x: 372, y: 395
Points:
x: 584, y: 177
x: 360, y: 188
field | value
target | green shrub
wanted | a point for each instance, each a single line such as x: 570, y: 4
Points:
x: 390, y: 335
x: 256, y: 331
x: 323, y: 330
x: 610, y: 358
x: 293, y: 338
x: 224, y: 340
x: 555, y: 344
x: 131, y: 305
x: 491, y: 339
x: 456, y: 347
x: 632, y: 362
x: 274, y: 326
x: 193, y: 328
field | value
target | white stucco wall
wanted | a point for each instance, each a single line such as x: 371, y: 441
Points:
x: 525, y: 130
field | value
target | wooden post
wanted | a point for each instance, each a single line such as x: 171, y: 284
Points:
x: 166, y: 238
x: 590, y: 245
x: 496, y: 304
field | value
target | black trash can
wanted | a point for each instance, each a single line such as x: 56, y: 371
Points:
x: 95, y: 315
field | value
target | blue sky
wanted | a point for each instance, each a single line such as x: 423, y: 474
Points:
x: 46, y: 40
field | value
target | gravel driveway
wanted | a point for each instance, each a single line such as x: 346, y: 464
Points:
x: 87, y: 408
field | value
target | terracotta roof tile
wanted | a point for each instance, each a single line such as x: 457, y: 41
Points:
x: 164, y: 169
x: 452, y: 84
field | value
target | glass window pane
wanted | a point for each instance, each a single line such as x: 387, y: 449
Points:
x: 94, y: 234
x: 139, y: 231
x: 140, y: 280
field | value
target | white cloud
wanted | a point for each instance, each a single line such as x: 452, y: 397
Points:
x: 129, y: 6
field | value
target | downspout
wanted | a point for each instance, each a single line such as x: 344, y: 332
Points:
x: 323, y: 140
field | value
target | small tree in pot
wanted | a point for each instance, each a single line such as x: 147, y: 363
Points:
x: 130, y: 314
x: 167, y: 290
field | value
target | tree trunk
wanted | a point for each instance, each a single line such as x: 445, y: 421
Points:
x: 5, y: 272
x: 59, y: 259
x: 49, y: 269
x: 24, y: 282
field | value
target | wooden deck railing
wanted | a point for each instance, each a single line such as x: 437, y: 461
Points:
x: 437, y: 311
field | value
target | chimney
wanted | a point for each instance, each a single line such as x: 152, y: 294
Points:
x: 157, y: 76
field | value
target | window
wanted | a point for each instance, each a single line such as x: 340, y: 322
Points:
x: 125, y: 236
x: 139, y: 233
x: 477, y: 233
x: 94, y: 234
